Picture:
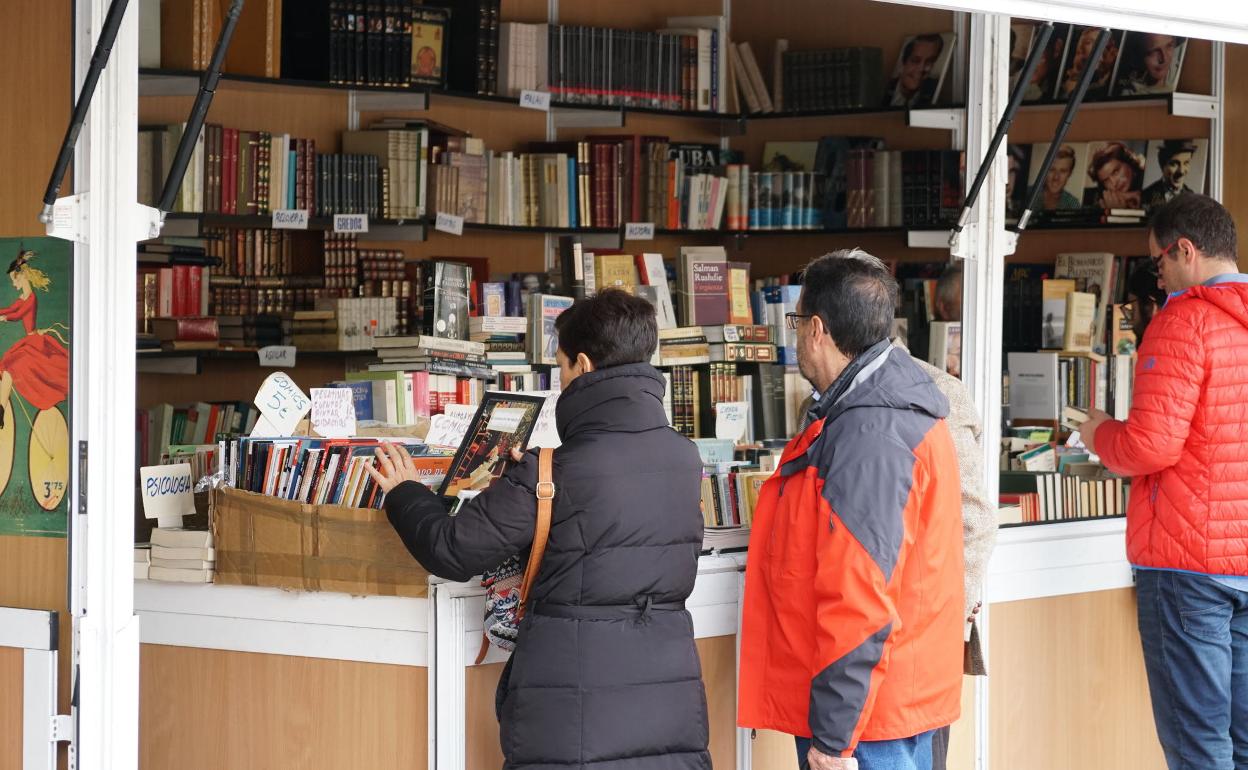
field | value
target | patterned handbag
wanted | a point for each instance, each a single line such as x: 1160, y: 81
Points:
x: 507, y: 586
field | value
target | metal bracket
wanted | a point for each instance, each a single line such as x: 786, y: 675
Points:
x: 959, y: 241
x: 928, y: 239
x: 61, y: 729
x: 69, y: 219
x: 1195, y: 106
x: 946, y: 118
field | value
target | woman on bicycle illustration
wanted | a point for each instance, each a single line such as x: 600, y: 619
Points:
x: 37, y: 365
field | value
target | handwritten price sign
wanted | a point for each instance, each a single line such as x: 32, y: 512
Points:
x: 282, y: 403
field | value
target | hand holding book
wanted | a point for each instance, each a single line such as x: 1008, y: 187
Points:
x: 396, y: 467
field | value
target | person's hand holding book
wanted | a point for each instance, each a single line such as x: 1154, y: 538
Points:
x: 395, y: 465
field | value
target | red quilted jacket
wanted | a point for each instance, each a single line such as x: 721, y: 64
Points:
x: 1185, y: 442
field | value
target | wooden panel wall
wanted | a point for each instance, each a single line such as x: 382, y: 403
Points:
x: 719, y: 660
x: 1068, y: 687
x: 1234, y: 189
x: 10, y: 709
x: 212, y: 709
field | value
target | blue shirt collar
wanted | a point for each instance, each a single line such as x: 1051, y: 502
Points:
x: 1226, y: 278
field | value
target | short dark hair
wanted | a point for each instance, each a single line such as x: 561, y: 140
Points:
x: 612, y: 328
x: 1142, y: 283
x: 930, y: 37
x: 855, y: 296
x: 1201, y: 220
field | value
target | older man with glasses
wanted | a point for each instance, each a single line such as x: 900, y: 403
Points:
x: 1185, y: 446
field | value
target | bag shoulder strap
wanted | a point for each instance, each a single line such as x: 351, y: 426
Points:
x: 541, y: 533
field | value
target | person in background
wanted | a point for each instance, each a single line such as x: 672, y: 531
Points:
x: 852, y: 624
x: 1184, y: 447
x: 1149, y: 64
x: 979, y: 519
x: 605, y: 672
x: 1144, y: 299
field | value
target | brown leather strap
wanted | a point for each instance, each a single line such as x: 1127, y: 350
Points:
x: 545, y: 503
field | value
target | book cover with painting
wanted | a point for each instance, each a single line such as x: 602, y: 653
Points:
x: 1093, y: 273
x: 446, y: 300
x: 34, y: 386
x: 502, y: 421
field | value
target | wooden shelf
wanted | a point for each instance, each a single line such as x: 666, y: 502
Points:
x: 1021, y: 524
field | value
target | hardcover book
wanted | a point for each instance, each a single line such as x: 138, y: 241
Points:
x: 446, y: 299
x: 503, y: 421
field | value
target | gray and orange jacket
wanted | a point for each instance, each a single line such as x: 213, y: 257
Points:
x: 852, y: 625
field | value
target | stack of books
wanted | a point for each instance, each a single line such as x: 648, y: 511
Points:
x: 182, y: 555
x: 142, y: 561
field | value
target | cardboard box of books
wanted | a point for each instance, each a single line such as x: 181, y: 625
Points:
x: 266, y: 541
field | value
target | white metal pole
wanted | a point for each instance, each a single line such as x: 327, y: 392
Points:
x: 106, y: 638
x: 985, y: 246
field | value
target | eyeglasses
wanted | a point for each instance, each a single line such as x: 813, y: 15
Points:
x: 791, y: 319
x: 1157, y: 259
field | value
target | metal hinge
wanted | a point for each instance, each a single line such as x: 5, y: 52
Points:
x: 82, y: 478
x: 61, y: 729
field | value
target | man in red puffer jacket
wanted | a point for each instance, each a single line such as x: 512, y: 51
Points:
x: 1185, y: 445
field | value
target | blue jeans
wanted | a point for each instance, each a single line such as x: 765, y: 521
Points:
x: 902, y: 754
x: 1195, y: 636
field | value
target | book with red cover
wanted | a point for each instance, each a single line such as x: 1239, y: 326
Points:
x: 189, y: 329
x: 181, y: 290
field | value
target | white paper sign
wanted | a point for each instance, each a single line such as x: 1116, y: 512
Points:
x: 449, y: 223
x: 168, y: 490
x: 730, y: 334
x: 350, y: 223
x: 639, y: 231
x: 731, y: 419
x: 448, y: 429
x: 333, y: 412
x: 263, y: 428
x: 278, y: 356
x: 535, y: 100
x: 290, y: 219
x: 545, y: 434
x: 505, y: 419
x: 282, y: 403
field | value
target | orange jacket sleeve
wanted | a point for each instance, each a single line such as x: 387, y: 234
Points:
x: 1168, y: 379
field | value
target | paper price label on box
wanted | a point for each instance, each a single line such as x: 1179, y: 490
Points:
x: 278, y: 356
x: 731, y: 420
x: 167, y: 490
x: 535, y: 100
x: 449, y: 223
x: 282, y: 403
x: 448, y: 429
x: 333, y: 412
x: 545, y: 433
x: 639, y: 231
x: 290, y: 219
x: 350, y: 223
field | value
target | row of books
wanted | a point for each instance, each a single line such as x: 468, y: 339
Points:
x: 374, y: 43
x: 730, y: 494
x: 169, y: 292
x: 681, y: 67
x: 319, y: 471
x: 1083, y: 492
x: 162, y: 429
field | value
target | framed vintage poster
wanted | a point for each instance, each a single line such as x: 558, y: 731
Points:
x: 34, y: 385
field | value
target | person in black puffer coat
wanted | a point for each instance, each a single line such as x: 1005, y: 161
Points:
x: 605, y: 675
